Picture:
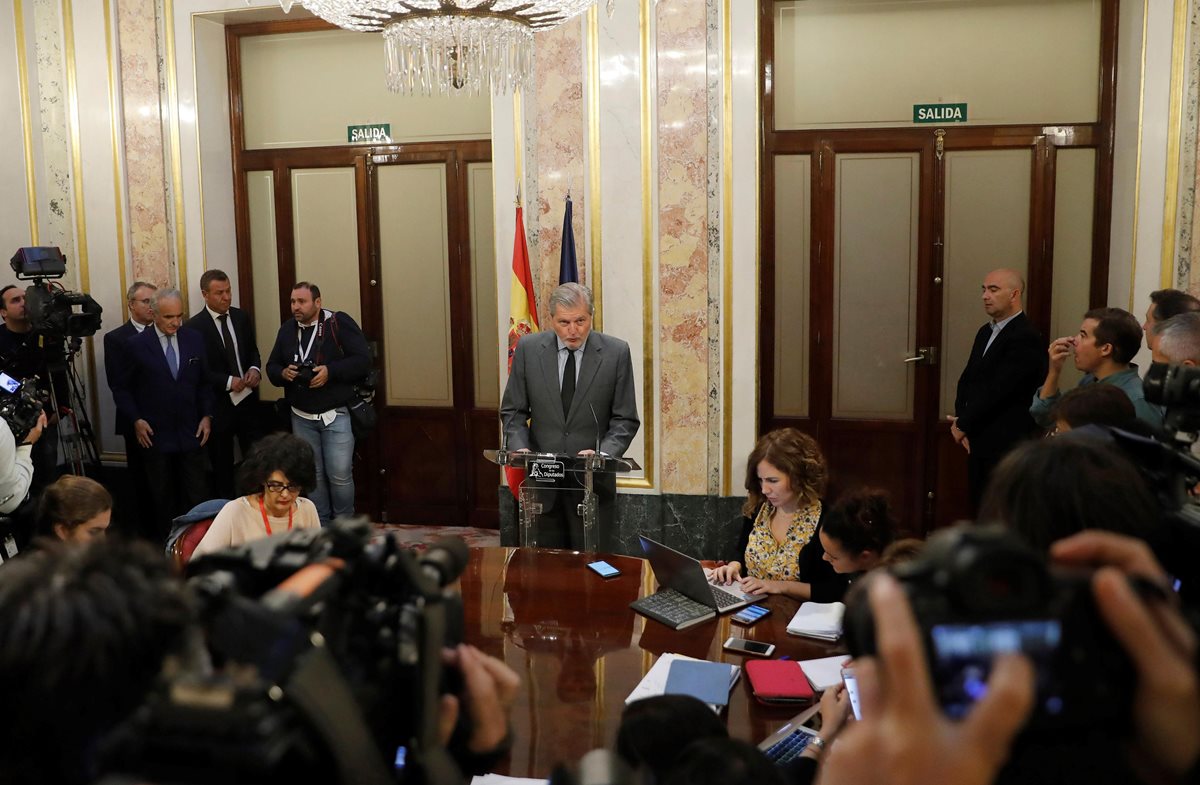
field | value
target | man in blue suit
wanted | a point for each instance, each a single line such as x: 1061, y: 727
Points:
x: 164, y: 392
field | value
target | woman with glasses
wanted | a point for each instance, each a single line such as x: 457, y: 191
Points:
x: 279, y: 468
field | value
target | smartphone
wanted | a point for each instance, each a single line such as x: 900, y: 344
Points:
x: 749, y: 615
x: 963, y: 654
x: 604, y: 569
x: 755, y: 648
x: 851, y: 682
x: 9, y: 383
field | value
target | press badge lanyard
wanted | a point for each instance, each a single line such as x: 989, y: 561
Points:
x: 302, y: 356
x: 263, y: 510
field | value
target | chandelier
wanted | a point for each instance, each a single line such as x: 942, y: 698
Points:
x: 451, y: 46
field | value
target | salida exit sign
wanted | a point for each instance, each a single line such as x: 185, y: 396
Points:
x: 939, y: 113
x: 375, y: 133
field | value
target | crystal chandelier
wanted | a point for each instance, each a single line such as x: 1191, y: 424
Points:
x: 449, y: 46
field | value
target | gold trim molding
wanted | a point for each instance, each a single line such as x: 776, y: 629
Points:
x: 592, y: 57
x: 173, y: 141
x: 1179, y: 33
x: 114, y: 111
x: 26, y: 119
x: 727, y: 245
x: 1137, y: 172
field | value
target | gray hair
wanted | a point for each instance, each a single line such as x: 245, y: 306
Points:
x: 570, y: 295
x: 1179, y: 337
x: 166, y: 293
x: 133, y: 288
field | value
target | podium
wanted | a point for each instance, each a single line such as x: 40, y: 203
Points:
x: 558, y: 480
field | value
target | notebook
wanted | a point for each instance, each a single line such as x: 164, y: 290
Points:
x: 685, y: 597
x: 821, y: 620
x: 779, y: 682
x: 825, y: 672
x: 655, y: 680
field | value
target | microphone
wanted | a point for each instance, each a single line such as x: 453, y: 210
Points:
x: 445, y: 560
x: 596, y: 420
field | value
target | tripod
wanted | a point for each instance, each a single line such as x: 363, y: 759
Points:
x: 75, y: 433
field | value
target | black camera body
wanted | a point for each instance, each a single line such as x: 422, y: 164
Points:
x: 21, y: 408
x: 979, y: 591
x: 305, y: 372
x: 320, y: 658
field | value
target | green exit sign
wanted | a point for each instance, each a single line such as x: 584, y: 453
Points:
x: 376, y: 133
x: 939, y: 113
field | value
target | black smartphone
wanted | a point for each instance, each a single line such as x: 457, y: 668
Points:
x: 750, y: 614
x: 604, y: 569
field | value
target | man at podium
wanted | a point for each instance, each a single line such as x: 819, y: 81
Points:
x: 571, y: 392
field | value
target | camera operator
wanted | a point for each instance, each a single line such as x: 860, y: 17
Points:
x: 24, y: 356
x: 15, y: 482
x: 904, y: 737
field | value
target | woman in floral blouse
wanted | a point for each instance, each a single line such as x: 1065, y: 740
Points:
x: 782, y: 553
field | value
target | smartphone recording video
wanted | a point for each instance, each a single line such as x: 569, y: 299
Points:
x: 963, y: 655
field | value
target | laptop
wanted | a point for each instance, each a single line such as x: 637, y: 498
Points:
x: 789, y: 741
x: 686, y: 597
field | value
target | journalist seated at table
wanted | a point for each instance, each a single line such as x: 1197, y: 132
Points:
x: 278, y: 470
x: 857, y: 531
x: 74, y: 510
x: 784, y: 512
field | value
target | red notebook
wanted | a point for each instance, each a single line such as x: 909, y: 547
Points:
x: 779, y: 682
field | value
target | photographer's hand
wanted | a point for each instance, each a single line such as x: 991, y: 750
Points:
x: 904, y: 737
x: 289, y: 373
x: 489, y: 689
x: 320, y: 376
x: 204, y: 429
x: 143, y: 431
x: 36, y: 432
x: 1166, y: 706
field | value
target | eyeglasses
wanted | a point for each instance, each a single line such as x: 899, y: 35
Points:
x: 279, y: 487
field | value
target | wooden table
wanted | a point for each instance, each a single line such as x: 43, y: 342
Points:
x: 580, y: 649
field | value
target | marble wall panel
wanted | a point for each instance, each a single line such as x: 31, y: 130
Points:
x: 558, y: 115
x: 56, y: 211
x: 1187, y: 272
x: 143, y: 116
x: 683, y: 246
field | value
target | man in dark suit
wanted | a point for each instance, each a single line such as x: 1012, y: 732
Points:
x: 116, y: 353
x: 1007, y: 363
x: 233, y: 372
x: 571, y: 391
x: 163, y: 390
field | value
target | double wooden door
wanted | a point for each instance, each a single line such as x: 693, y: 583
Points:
x: 873, y: 257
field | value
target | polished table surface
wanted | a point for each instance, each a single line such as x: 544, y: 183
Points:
x: 580, y: 649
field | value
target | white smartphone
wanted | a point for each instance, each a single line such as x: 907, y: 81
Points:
x: 851, y: 682
x: 754, y: 648
x: 9, y: 383
x: 604, y: 569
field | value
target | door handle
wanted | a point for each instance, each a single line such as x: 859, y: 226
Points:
x: 925, y: 354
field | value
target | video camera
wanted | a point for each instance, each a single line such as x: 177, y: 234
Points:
x: 321, y: 662
x: 50, y: 307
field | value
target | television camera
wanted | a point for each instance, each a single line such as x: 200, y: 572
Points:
x: 50, y: 307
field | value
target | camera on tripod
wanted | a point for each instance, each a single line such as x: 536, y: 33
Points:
x: 50, y: 307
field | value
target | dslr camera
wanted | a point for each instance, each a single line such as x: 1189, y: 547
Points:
x: 305, y: 372
x: 978, y: 591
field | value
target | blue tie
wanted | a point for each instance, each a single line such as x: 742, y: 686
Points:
x: 172, y: 358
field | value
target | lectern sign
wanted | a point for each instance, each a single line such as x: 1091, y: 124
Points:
x: 939, y: 113
x: 376, y: 133
x: 547, y: 470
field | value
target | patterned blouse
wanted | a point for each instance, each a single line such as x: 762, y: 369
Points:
x: 773, y: 561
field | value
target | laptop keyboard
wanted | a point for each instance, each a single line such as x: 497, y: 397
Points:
x: 673, y: 606
x: 725, y: 599
x: 789, y: 747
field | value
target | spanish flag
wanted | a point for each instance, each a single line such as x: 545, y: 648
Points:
x: 522, y: 318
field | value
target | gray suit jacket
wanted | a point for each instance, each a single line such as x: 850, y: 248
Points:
x: 605, y: 385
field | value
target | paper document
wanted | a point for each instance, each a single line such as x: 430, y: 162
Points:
x: 500, y: 779
x: 821, y: 620
x: 238, y: 397
x: 825, y: 672
x: 655, y: 680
